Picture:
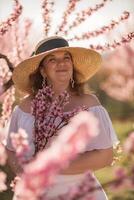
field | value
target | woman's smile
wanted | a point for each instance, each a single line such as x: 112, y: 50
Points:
x: 62, y: 70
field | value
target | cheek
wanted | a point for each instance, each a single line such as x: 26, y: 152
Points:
x: 71, y: 66
x: 71, y: 69
x: 49, y: 71
x: 46, y: 69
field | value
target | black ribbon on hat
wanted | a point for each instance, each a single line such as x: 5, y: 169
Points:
x: 51, y: 44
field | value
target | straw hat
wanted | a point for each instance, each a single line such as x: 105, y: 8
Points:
x: 86, y: 62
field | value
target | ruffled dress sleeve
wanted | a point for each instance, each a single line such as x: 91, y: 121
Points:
x: 20, y: 119
x: 13, y: 127
x: 107, y: 137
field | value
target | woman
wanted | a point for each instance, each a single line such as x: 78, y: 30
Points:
x: 65, y: 68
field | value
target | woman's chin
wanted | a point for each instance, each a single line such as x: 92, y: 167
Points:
x: 63, y: 79
x: 63, y: 76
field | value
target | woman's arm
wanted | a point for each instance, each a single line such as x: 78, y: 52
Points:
x: 91, y: 160
x: 13, y: 162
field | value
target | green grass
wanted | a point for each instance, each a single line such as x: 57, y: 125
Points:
x: 122, y: 128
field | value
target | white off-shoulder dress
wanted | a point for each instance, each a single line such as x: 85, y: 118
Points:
x: 106, y: 138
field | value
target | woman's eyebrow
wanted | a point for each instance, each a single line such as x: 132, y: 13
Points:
x: 67, y: 53
x: 49, y: 56
x: 52, y: 55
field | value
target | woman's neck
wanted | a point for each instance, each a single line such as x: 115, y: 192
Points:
x: 58, y: 89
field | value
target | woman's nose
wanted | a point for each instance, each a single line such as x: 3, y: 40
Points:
x: 61, y: 61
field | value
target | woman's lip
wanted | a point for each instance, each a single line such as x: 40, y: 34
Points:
x: 61, y: 71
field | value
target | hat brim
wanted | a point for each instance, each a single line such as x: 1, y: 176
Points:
x: 86, y: 63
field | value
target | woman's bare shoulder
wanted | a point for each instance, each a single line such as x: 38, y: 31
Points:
x: 25, y: 104
x: 91, y: 100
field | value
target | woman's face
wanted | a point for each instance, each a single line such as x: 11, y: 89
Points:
x: 58, y: 67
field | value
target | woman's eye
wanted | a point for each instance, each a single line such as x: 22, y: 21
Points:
x: 52, y: 60
x: 67, y: 58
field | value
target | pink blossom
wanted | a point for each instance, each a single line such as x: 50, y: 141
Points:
x: 3, y: 186
x: 123, y: 180
x: 1, y: 89
x: 124, y: 40
x: 4, y: 26
x: 70, y: 8
x: 3, y: 155
x: 102, y: 30
x: 40, y: 173
x: 119, y: 79
x: 120, y: 172
x: 20, y: 143
x: 7, y: 107
x: 49, y: 115
x: 80, y: 16
x: 83, y: 190
x: 14, y: 182
x: 129, y: 144
x: 47, y: 8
